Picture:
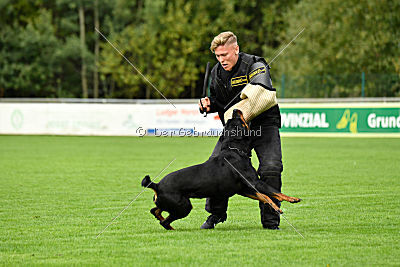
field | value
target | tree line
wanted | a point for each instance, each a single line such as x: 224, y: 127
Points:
x: 50, y: 48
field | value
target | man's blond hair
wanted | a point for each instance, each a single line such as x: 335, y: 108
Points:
x: 222, y: 39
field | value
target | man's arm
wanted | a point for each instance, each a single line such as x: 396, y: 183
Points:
x: 258, y: 95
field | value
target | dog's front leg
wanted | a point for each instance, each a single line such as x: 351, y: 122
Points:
x: 266, y: 200
x: 282, y: 197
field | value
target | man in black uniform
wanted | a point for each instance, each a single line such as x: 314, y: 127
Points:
x: 242, y: 81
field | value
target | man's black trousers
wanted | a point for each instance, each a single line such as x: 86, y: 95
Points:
x: 267, y: 146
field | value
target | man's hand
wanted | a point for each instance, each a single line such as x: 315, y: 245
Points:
x: 206, y: 104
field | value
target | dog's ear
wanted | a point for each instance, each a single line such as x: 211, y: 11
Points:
x: 237, y: 114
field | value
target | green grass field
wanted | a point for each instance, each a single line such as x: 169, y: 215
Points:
x: 58, y: 193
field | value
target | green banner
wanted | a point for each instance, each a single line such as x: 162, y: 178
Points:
x: 341, y: 120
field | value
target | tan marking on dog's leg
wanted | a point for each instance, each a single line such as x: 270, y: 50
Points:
x: 282, y: 197
x: 168, y: 227
x: 157, y: 213
x: 253, y: 197
x: 265, y: 199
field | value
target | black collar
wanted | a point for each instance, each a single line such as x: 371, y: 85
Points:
x: 242, y: 153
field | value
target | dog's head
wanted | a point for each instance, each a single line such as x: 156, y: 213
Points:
x: 236, y: 133
x: 237, y: 123
x: 237, y: 114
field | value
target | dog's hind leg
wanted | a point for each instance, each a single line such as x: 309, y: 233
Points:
x: 176, y: 205
x: 157, y: 213
x: 181, y: 209
x: 167, y: 222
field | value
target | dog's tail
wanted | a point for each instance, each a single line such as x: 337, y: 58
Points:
x: 146, y: 182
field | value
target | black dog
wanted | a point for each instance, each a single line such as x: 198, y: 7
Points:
x: 227, y: 174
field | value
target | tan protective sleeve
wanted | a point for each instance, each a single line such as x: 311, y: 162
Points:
x: 256, y: 100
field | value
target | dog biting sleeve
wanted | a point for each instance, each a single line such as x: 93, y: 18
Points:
x: 255, y: 100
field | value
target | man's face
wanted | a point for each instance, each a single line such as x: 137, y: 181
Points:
x: 227, y: 55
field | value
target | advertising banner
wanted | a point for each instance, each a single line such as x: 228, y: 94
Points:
x: 185, y: 120
x: 341, y: 120
x: 106, y: 119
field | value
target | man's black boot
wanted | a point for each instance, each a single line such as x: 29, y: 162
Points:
x: 270, y: 219
x: 213, y: 220
x: 271, y: 227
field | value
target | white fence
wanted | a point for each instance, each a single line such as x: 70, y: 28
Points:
x: 158, y: 117
x: 104, y: 119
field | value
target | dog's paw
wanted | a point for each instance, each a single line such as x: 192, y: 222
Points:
x: 294, y: 200
x: 166, y: 226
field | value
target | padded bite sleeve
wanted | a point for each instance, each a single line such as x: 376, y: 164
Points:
x: 256, y: 100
